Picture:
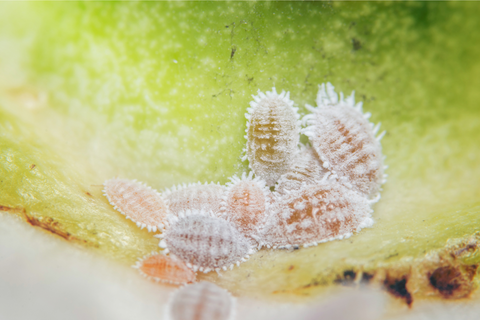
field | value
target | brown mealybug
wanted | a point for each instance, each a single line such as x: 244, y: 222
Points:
x: 345, y: 141
x: 273, y: 133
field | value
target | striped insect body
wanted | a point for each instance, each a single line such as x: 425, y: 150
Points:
x: 306, y: 170
x: 322, y: 212
x: 201, y: 301
x: 138, y: 202
x: 167, y: 269
x: 273, y: 132
x: 196, y: 196
x: 245, y: 204
x: 205, y: 242
x: 345, y: 141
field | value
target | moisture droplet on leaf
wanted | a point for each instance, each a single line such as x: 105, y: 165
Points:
x: 201, y: 301
x: 345, y: 141
x: 318, y: 213
x: 204, y: 241
x: 169, y: 269
x: 273, y: 133
x: 138, y: 202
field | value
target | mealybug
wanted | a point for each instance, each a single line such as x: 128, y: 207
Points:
x: 138, y: 202
x: 245, y: 204
x: 317, y: 213
x: 201, y: 301
x: 168, y: 269
x: 204, y: 242
x: 306, y: 170
x: 273, y: 132
x: 195, y: 196
x: 345, y: 141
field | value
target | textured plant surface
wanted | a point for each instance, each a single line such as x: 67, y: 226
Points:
x: 158, y: 92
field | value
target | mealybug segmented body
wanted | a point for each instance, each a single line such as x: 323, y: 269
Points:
x: 273, y: 132
x: 345, y: 141
x: 139, y: 203
x: 245, y: 204
x: 306, y: 170
x: 168, y: 269
x: 317, y: 213
x: 201, y: 301
x: 204, y: 242
x: 197, y: 196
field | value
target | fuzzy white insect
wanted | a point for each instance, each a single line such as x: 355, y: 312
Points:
x: 245, y: 204
x: 195, y: 196
x: 345, y: 141
x: 306, y: 170
x: 201, y: 301
x: 204, y: 242
x: 138, y: 202
x: 317, y: 213
x: 273, y: 132
x: 168, y: 269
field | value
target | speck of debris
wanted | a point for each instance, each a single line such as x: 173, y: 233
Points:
x: 356, y: 44
x: 291, y: 267
x: 88, y: 193
x: 32, y: 166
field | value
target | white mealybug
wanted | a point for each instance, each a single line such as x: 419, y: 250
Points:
x: 201, y: 301
x: 345, y: 141
x: 195, y: 196
x: 138, y: 202
x: 307, y: 169
x: 245, y: 204
x: 322, y: 212
x: 273, y: 133
x: 168, y: 269
x: 204, y: 242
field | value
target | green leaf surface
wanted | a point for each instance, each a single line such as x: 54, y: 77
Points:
x: 158, y: 91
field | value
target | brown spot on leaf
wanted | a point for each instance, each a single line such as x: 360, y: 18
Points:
x: 347, y: 279
x: 453, y: 282
x: 32, y: 166
x: 11, y: 209
x: 88, y: 193
x: 398, y: 288
x: 52, y: 226
x: 291, y: 267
